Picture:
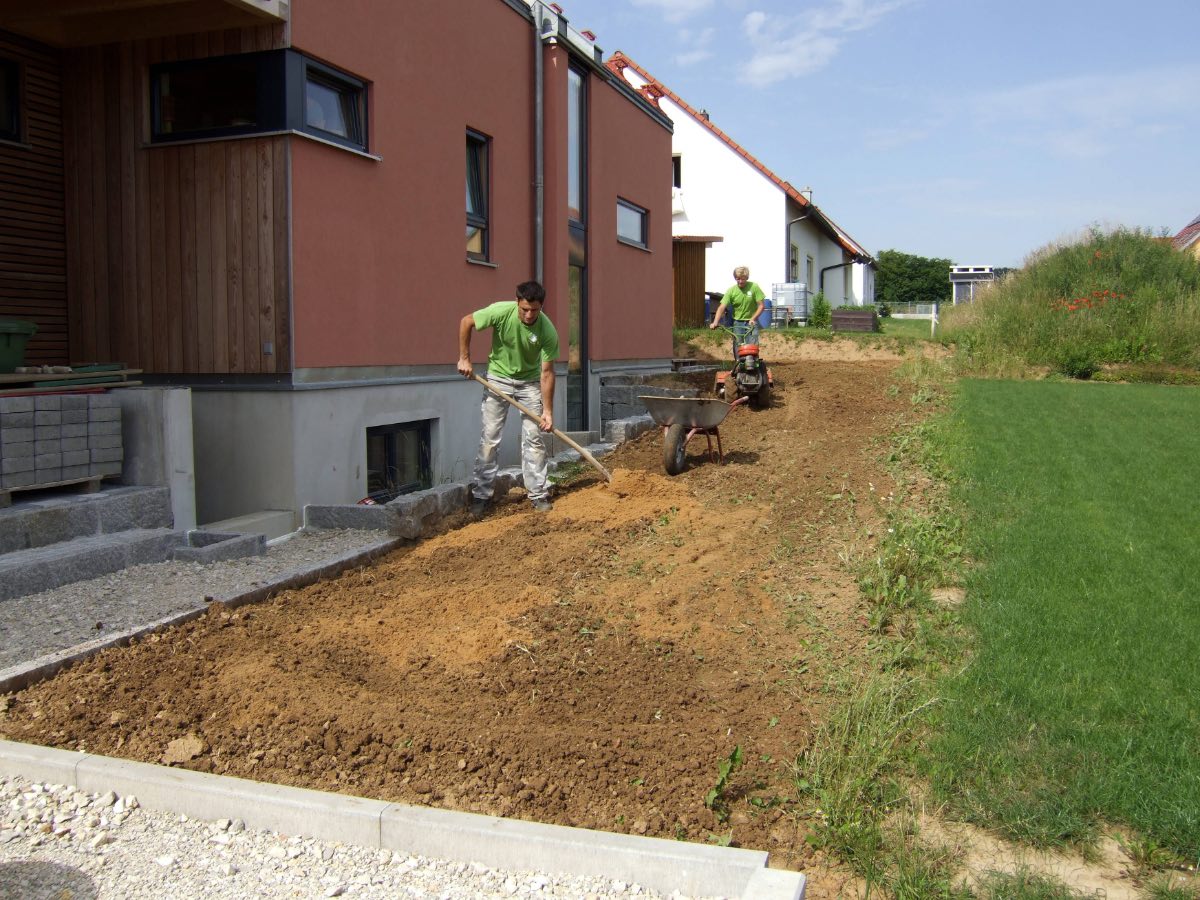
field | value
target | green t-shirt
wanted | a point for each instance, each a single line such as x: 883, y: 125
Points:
x: 518, y: 350
x: 744, y: 303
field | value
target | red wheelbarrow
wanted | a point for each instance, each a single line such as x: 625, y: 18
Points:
x: 681, y: 419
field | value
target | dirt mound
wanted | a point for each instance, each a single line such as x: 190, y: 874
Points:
x: 589, y: 666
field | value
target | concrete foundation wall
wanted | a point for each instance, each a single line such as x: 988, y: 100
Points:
x: 286, y: 449
x: 156, y: 427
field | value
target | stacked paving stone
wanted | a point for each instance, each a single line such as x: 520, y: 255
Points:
x: 52, y: 438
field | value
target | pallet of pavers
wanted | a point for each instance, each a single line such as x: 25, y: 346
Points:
x: 52, y: 440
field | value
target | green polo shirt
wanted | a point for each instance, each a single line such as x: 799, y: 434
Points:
x: 518, y: 350
x: 743, y: 303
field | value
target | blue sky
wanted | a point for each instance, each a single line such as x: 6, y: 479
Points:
x: 974, y: 131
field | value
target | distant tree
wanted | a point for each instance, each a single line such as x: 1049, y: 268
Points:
x: 905, y: 278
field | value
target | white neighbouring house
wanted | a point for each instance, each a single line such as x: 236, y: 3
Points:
x: 746, y: 214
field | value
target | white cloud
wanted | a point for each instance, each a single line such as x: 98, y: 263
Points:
x: 676, y: 10
x: 790, y: 46
x: 700, y: 44
x: 1090, y: 116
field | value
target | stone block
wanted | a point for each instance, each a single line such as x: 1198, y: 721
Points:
x: 104, y: 441
x: 47, y: 460
x: 70, y: 445
x: 76, y: 472
x: 16, y: 436
x: 106, y: 455
x: 75, y: 417
x: 72, y: 432
x: 47, y: 401
x: 104, y: 414
x: 18, y: 479
x: 74, y: 401
x: 417, y: 505
x: 16, y: 420
x: 106, y: 468
x: 51, y: 475
x: 102, y: 401
x: 76, y: 458
x: 43, y: 446
x: 376, y: 517
x: 14, y: 451
x: 134, y: 508
x: 104, y: 428
x: 627, y: 428
x: 11, y: 464
x: 451, y: 498
x: 48, y: 417
x: 16, y: 405
x: 212, y: 546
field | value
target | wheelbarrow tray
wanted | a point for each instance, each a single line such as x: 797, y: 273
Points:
x: 691, y: 412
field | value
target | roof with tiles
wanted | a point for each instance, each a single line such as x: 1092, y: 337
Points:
x: 1188, y: 236
x: 654, y: 90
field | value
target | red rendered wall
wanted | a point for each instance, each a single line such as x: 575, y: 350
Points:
x: 629, y: 294
x: 380, y: 271
x: 380, y: 275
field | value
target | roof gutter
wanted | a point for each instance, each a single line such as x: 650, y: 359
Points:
x: 540, y: 24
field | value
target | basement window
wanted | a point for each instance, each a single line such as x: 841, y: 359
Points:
x: 398, y: 460
x: 10, y: 100
x: 631, y: 223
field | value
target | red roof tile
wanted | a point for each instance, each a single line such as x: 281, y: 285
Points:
x: 653, y: 90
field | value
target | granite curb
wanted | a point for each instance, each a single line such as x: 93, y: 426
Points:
x: 656, y: 863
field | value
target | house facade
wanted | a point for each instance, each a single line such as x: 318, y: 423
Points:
x: 263, y: 203
x: 745, y: 214
x: 1188, y: 238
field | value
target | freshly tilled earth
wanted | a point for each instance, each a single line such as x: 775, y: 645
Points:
x: 589, y: 666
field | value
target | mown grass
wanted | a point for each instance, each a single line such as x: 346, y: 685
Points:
x: 1080, y: 706
x: 1123, y: 297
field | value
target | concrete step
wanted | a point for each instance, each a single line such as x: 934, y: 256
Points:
x: 38, y: 569
x: 44, y: 518
x: 271, y: 523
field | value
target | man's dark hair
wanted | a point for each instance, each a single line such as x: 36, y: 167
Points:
x: 531, y: 291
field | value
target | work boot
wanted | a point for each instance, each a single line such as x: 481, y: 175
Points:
x: 478, y: 507
x: 543, y: 505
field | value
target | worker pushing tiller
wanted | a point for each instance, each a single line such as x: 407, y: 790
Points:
x: 749, y: 376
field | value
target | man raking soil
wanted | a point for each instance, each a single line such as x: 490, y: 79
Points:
x: 520, y: 373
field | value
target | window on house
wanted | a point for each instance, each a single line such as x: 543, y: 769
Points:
x: 256, y: 93
x: 631, y: 223
x: 794, y: 264
x: 677, y: 171
x: 478, y: 181
x: 808, y: 273
x: 335, y: 105
x: 10, y: 100
x: 398, y: 460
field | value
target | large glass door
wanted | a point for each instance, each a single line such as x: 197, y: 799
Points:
x: 577, y: 357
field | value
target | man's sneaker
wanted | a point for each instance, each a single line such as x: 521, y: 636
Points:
x: 543, y: 505
x: 478, y: 507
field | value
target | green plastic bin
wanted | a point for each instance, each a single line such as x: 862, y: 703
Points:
x: 14, y: 335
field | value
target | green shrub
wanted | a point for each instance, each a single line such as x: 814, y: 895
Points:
x: 821, y: 315
x: 1123, y: 297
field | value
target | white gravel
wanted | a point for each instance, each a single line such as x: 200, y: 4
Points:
x: 58, y: 842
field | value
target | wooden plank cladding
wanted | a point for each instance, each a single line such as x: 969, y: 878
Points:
x: 33, y: 251
x: 178, y: 254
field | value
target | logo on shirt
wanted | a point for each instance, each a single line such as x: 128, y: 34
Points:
x: 532, y: 338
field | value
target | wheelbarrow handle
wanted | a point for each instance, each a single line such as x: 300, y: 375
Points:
x: 535, y: 417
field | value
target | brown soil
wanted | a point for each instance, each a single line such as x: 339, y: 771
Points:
x: 590, y: 666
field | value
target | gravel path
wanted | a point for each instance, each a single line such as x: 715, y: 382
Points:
x: 84, y: 611
x: 58, y: 842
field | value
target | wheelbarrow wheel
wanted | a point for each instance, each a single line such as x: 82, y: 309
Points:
x: 674, y: 442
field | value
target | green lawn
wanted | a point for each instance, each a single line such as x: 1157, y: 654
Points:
x: 916, y: 328
x: 1079, y: 707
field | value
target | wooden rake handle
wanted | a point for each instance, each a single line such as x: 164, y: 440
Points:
x: 535, y: 417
